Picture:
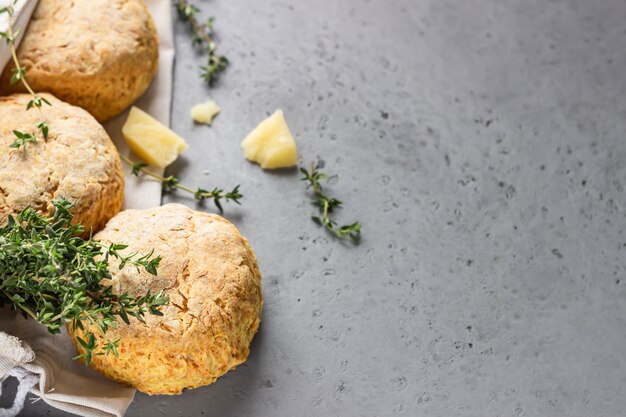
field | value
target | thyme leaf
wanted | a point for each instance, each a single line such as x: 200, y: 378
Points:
x: 203, y: 38
x: 327, y: 205
x: 19, y: 75
x: 171, y: 183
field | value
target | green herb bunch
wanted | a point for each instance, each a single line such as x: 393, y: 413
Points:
x: 327, y: 205
x: 203, y: 38
x: 50, y: 273
x: 171, y: 182
x: 19, y: 75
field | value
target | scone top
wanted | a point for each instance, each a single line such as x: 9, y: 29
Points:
x: 100, y: 55
x: 212, y: 278
x: 78, y: 161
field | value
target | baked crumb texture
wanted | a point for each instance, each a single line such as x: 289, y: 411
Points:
x: 212, y: 278
x: 100, y: 55
x: 78, y: 162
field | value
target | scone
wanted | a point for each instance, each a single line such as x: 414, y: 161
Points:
x: 96, y: 54
x: 211, y: 276
x: 78, y: 161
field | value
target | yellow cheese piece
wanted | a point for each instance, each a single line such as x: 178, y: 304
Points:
x: 150, y: 140
x: 271, y: 144
x: 205, y: 112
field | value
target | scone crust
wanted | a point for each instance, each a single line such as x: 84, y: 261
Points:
x: 100, y: 55
x: 212, y: 278
x: 78, y: 161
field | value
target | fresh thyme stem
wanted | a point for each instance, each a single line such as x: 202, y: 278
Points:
x: 24, y: 308
x: 170, y: 182
x: 152, y: 174
x: 326, y: 206
x: 203, y: 37
x: 19, y: 75
x: 16, y: 61
x: 189, y: 11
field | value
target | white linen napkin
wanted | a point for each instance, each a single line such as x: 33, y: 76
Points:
x: 44, y: 362
x: 143, y: 193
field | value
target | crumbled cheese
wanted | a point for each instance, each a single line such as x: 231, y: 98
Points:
x: 271, y: 144
x: 205, y: 112
x: 150, y: 140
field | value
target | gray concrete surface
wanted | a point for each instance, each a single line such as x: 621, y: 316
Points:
x: 483, y: 146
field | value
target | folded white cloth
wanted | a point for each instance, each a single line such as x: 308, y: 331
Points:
x: 59, y: 380
x: 15, y: 355
x: 143, y: 193
x: 42, y: 362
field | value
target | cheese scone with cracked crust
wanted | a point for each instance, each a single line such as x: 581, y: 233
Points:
x: 100, y: 55
x: 78, y: 161
x: 211, y: 276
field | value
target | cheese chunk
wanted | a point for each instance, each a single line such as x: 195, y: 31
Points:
x: 271, y: 144
x: 205, y: 112
x: 150, y: 140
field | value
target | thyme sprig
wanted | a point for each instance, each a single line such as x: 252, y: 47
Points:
x: 50, y: 273
x: 19, y: 75
x: 327, y: 205
x: 171, y: 182
x: 203, y: 38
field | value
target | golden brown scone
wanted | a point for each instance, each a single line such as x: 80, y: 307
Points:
x: 96, y: 54
x: 212, y: 278
x: 78, y: 161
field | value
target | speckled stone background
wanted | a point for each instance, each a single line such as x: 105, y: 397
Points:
x: 483, y: 146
